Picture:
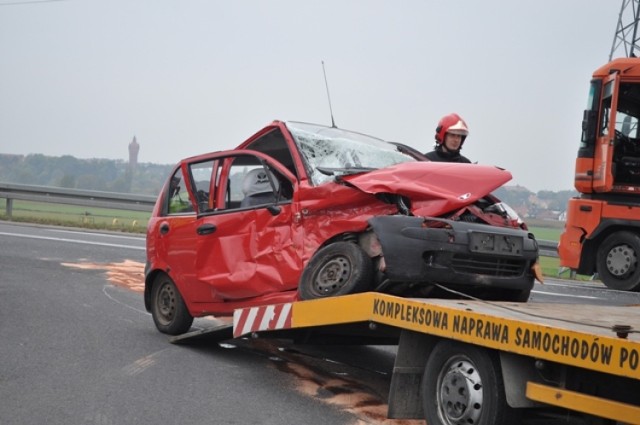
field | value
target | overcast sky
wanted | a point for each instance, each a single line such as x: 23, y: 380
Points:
x: 82, y: 77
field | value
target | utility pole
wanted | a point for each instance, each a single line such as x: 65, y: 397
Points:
x: 625, y: 40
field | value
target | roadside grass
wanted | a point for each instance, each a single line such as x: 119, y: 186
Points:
x: 546, y: 233
x: 76, y: 216
x: 551, y: 268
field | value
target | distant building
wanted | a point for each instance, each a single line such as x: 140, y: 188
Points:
x: 134, y: 149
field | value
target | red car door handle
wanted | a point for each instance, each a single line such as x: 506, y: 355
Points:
x: 164, y: 228
x: 206, y: 229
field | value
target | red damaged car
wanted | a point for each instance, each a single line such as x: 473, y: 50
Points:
x: 303, y: 211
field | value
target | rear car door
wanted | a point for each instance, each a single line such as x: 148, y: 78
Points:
x: 175, y: 235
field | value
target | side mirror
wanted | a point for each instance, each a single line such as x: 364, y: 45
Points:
x: 274, y: 210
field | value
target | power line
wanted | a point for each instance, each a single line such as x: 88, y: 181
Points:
x: 20, y: 3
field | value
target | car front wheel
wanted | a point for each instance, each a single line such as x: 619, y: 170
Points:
x: 337, y: 269
x: 168, y: 309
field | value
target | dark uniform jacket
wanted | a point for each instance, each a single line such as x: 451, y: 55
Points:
x: 439, y: 155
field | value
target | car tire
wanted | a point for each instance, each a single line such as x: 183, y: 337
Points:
x: 168, y: 309
x: 462, y: 384
x: 617, y: 261
x: 337, y: 269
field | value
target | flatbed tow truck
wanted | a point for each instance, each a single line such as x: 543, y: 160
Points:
x: 473, y: 362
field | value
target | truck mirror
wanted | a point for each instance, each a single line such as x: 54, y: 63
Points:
x: 589, y: 126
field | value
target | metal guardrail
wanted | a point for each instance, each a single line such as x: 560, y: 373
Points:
x: 85, y: 198
x: 547, y: 248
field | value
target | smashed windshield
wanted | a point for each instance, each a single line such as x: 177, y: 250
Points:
x: 345, y: 152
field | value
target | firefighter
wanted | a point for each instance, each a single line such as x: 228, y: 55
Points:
x: 450, y: 135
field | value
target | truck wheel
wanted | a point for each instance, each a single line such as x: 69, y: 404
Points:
x: 337, y: 269
x: 617, y: 261
x: 463, y: 384
x: 168, y: 310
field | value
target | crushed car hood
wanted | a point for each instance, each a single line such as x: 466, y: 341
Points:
x: 434, y: 188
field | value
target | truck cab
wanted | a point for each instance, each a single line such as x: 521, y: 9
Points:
x: 609, y: 155
x: 602, y: 233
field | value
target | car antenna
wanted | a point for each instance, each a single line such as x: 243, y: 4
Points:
x: 333, y: 123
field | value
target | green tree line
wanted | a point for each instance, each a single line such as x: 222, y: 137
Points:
x: 91, y: 174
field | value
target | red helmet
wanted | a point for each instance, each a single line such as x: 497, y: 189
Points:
x: 451, y: 123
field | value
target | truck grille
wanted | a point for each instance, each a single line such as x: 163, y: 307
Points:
x: 490, y: 266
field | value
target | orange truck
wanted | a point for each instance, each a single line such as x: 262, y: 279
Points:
x: 602, y: 232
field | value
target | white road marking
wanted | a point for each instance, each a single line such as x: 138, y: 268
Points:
x: 555, y: 294
x: 106, y: 235
x: 73, y: 241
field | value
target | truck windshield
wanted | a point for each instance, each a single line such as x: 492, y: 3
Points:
x: 333, y: 148
x: 628, y: 110
x: 626, y: 146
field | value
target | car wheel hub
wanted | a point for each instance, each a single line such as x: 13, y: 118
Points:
x: 333, y: 275
x: 459, y: 393
x: 621, y: 260
x: 166, y: 303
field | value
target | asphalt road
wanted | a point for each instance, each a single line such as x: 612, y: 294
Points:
x: 78, y: 347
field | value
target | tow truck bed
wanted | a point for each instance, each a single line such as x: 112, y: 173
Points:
x: 583, y: 346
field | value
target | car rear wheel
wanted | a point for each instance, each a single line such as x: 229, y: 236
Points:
x: 168, y: 309
x: 617, y: 261
x: 337, y: 269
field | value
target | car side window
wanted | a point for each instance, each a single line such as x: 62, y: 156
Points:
x: 251, y: 183
x: 201, y: 178
x: 178, y: 198
x: 230, y: 186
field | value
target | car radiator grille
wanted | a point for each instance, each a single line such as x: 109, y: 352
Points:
x: 491, y: 266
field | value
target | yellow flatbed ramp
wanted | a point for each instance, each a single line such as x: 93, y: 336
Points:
x: 601, y: 339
